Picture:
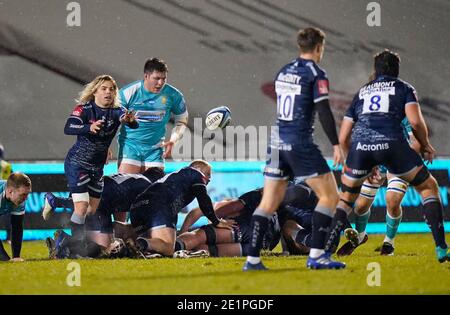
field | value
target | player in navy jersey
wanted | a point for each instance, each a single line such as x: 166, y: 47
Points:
x: 395, y: 191
x: 95, y: 122
x: 302, y: 89
x: 221, y: 242
x: 154, y: 213
x: 374, y: 120
x: 119, y: 192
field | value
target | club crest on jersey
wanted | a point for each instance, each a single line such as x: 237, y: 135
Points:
x: 164, y: 100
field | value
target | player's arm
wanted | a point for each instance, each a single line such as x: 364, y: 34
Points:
x: 329, y: 126
x: 206, y: 206
x: 128, y: 118
x: 345, y: 135
x: 415, y: 145
x: 180, y: 127
x: 229, y: 209
x: 16, y: 235
x: 420, y: 130
x: 76, y: 124
x: 190, y: 219
x: 178, y: 130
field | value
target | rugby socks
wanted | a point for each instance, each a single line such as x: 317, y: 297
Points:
x: 433, y: 215
x: 78, y: 243
x: 259, y: 225
x: 303, y: 237
x: 392, y: 227
x: 321, y: 221
x: 337, y: 224
x: 3, y: 254
x: 361, y: 221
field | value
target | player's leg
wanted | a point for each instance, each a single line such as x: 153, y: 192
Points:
x: 3, y: 254
x: 51, y: 202
x: 358, y: 236
x: 325, y: 188
x: 395, y: 192
x: 297, y: 238
x: 426, y: 185
x: 223, y: 250
x: 207, y: 234
x: 159, y: 240
x: 275, y: 183
x: 409, y: 166
x: 273, y: 194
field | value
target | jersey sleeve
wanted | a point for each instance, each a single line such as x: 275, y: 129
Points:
x: 179, y: 107
x: 411, y: 95
x: 77, y: 123
x: 350, y: 114
x: 320, y: 85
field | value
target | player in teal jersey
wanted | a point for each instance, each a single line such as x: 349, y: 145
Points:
x: 154, y: 101
x: 13, y: 193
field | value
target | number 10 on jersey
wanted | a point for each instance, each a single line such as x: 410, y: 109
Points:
x: 285, y: 106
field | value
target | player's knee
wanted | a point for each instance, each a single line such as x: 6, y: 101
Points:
x: 81, y: 197
x: 393, y: 203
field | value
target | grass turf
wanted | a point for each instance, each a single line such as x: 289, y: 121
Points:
x: 413, y: 270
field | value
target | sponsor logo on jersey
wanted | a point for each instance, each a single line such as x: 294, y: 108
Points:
x: 77, y: 111
x: 323, y: 86
x: 153, y: 116
x: 289, y: 78
x: 355, y: 171
x: 372, y: 147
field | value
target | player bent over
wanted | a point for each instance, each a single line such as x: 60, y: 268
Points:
x: 154, y: 213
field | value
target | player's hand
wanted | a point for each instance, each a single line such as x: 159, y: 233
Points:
x: 17, y: 259
x: 338, y: 156
x: 96, y: 126
x: 109, y: 156
x: 225, y: 224
x: 375, y: 177
x: 129, y: 116
x: 428, y: 153
x: 168, y: 146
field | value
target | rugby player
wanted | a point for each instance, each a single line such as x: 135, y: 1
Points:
x: 374, y: 121
x: 302, y: 89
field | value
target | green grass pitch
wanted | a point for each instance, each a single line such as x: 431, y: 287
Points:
x: 413, y: 270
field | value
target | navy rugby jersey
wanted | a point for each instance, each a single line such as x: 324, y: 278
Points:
x: 378, y: 110
x: 120, y: 191
x: 299, y: 85
x: 90, y: 150
x: 175, y: 189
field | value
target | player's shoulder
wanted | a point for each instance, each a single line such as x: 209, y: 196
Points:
x: 405, y: 83
x: 80, y: 108
x: 172, y: 91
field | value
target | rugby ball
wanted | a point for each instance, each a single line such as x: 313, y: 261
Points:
x: 218, y: 117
